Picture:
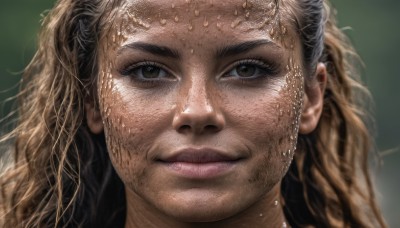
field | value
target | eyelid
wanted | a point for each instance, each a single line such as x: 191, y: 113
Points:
x: 126, y: 69
x: 258, y: 62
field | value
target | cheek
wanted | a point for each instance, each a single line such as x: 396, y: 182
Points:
x: 270, y: 125
x: 131, y: 124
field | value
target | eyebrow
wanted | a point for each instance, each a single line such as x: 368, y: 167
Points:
x: 243, y: 47
x: 221, y: 53
x: 151, y: 48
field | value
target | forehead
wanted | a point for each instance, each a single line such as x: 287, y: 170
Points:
x: 263, y: 11
x: 201, y: 19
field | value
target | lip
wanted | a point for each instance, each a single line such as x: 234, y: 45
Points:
x: 203, y: 163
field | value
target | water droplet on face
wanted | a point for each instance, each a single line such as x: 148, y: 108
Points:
x: 284, y: 30
x: 173, y: 6
x: 236, y: 12
x: 235, y: 23
x: 276, y: 203
x: 247, y: 15
x: 272, y: 32
x: 163, y: 21
x: 284, y: 225
x: 205, y: 22
x: 190, y: 27
x: 191, y: 51
x: 176, y: 19
x: 261, y: 215
x: 244, y: 4
x: 196, y: 13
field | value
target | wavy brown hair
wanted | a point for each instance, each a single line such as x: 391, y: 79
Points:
x: 62, y: 175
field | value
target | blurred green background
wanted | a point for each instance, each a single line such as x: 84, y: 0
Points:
x: 375, y: 32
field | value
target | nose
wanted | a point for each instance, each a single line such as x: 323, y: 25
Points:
x: 199, y: 113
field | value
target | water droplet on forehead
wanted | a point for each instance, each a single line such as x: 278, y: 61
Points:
x: 244, y: 4
x: 205, y: 22
x: 272, y: 32
x: 284, y: 30
x: 163, y: 21
x: 235, y: 23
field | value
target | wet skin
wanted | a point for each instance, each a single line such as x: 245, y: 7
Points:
x: 201, y: 104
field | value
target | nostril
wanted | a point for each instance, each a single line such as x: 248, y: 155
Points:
x: 211, y: 128
x: 184, y: 128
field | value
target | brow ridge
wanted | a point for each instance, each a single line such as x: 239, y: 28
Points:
x: 152, y: 48
x: 242, y: 47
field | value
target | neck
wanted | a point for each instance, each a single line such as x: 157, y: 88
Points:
x: 265, y: 212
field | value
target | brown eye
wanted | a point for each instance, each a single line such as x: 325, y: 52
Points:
x: 151, y: 72
x: 246, y: 70
x: 250, y: 69
x: 145, y: 71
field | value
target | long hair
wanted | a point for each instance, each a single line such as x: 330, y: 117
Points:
x: 328, y: 183
x: 61, y: 172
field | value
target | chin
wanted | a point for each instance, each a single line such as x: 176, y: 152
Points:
x: 207, y: 214
x: 199, y: 209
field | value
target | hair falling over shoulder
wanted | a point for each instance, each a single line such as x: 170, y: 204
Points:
x: 328, y: 183
x: 61, y: 172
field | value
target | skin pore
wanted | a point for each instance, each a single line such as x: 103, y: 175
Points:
x: 218, y: 83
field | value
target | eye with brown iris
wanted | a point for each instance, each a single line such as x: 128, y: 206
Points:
x: 150, y: 71
x: 246, y: 70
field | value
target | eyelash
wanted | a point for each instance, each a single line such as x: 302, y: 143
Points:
x: 267, y: 70
x: 129, y: 71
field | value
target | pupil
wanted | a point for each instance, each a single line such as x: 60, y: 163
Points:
x: 150, y: 72
x: 246, y: 70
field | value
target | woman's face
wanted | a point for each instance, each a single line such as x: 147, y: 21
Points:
x: 201, y: 102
